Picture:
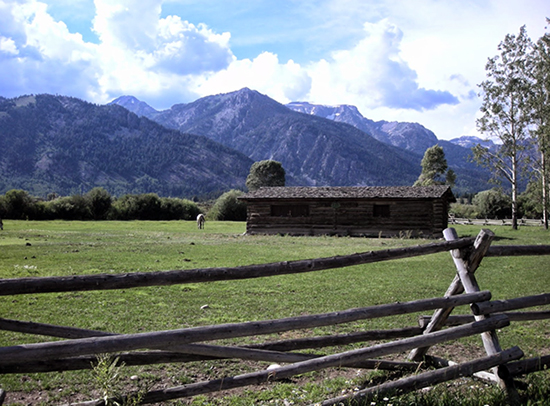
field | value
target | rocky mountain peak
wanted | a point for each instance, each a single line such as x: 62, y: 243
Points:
x: 469, y: 141
x: 135, y: 106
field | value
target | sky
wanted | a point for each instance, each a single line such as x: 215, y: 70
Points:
x: 395, y: 60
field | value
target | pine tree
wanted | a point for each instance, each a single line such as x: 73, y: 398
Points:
x: 434, y: 169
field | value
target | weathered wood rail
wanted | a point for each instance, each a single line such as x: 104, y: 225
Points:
x: 495, y: 222
x: 81, y: 346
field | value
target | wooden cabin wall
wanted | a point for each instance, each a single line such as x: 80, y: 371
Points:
x: 351, y: 217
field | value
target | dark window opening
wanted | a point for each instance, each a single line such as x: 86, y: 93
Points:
x: 288, y: 210
x: 381, y: 210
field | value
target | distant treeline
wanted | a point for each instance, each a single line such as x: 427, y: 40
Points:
x: 97, y: 204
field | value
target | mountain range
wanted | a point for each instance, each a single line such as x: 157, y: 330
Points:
x: 66, y: 145
x: 321, y: 144
x: 63, y: 145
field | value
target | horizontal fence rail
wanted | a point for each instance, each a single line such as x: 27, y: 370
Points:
x: 498, y: 306
x: 172, y: 338
x: 141, y: 279
x: 517, y: 250
x: 430, y: 378
x: 328, y: 361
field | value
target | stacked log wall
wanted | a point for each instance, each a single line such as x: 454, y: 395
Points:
x: 351, y: 217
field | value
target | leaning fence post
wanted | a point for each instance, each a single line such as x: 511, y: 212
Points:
x: 480, y: 246
x: 465, y: 266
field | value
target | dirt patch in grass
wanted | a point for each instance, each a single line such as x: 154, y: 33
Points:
x: 132, y: 379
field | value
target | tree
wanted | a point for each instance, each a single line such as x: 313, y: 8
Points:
x: 172, y: 208
x: 265, y: 173
x: 492, y: 203
x: 100, y: 202
x: 141, y: 207
x: 505, y: 112
x: 434, y: 169
x: 539, y: 99
x: 530, y: 201
x: 75, y: 207
x: 18, y: 204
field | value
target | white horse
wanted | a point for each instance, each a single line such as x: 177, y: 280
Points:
x: 200, y: 221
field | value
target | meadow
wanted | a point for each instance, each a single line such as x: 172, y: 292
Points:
x: 62, y: 248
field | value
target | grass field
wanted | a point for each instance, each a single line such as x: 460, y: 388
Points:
x: 58, y: 248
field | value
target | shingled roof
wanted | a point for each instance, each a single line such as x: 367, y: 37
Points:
x: 351, y: 192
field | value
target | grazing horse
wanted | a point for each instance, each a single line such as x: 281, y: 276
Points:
x: 200, y: 221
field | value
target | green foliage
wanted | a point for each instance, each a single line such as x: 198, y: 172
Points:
x: 108, y: 376
x: 18, y: 204
x: 434, y: 169
x: 3, y: 209
x: 96, y: 205
x: 506, y: 112
x: 178, y: 209
x: 100, y: 202
x: 265, y: 173
x: 493, y: 204
x: 530, y: 201
x: 228, y: 207
x: 461, y: 210
x: 539, y: 100
x: 140, y: 207
x: 74, y: 207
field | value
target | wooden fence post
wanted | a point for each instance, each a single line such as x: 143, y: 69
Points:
x: 466, y: 267
x: 480, y: 247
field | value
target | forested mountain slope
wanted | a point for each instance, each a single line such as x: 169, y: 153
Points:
x: 66, y: 145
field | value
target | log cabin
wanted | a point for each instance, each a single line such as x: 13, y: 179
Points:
x: 359, y: 211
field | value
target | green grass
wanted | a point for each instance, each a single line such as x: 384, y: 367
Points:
x: 59, y: 248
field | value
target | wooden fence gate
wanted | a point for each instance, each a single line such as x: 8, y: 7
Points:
x: 81, y: 347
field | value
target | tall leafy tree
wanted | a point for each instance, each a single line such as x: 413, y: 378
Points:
x: 505, y: 112
x: 539, y: 70
x: 434, y: 169
x: 265, y: 173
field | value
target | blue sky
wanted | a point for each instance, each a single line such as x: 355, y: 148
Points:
x: 396, y: 60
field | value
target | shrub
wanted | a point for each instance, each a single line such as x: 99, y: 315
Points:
x: 227, y: 207
x: 74, y: 207
x: 137, y: 207
x: 530, y: 201
x: 178, y: 209
x: 100, y: 202
x: 461, y: 210
x: 493, y: 204
x: 19, y: 205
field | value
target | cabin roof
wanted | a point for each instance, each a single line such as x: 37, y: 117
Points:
x: 351, y: 192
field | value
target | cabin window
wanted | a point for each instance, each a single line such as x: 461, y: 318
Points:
x: 290, y: 210
x: 381, y: 210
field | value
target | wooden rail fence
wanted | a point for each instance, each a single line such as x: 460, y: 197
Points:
x: 80, y: 348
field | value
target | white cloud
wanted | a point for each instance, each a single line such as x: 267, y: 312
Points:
x: 422, y: 63
x: 373, y: 74
x: 127, y: 24
x: 283, y: 82
x: 43, y: 55
x: 187, y: 49
x: 8, y: 46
